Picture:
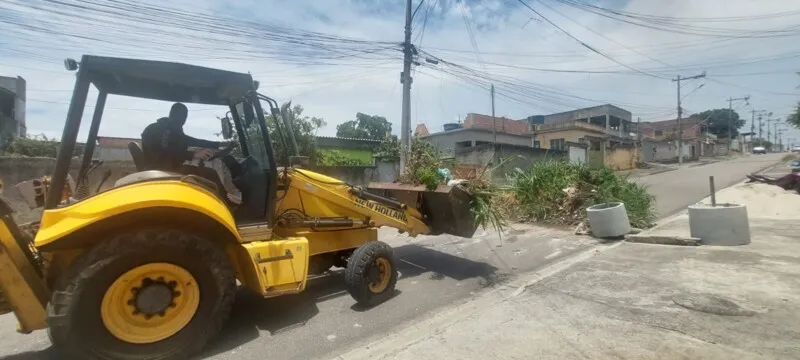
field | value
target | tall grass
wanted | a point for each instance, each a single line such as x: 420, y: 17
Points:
x: 559, y: 192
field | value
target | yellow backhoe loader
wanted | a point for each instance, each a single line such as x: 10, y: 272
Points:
x: 147, y: 269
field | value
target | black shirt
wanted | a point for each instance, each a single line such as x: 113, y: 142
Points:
x: 166, y: 147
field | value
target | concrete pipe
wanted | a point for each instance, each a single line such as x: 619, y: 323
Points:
x: 608, y: 220
x: 724, y: 224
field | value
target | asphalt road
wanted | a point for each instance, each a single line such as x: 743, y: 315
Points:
x: 675, y: 190
x: 435, y: 271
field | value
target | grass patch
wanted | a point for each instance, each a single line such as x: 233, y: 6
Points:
x: 790, y: 157
x: 559, y: 192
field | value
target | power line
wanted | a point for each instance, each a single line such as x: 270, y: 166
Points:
x: 583, y: 43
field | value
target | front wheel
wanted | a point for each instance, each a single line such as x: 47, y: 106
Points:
x: 371, y: 273
x: 156, y: 294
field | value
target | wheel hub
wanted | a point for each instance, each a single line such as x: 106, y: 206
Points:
x: 154, y: 297
x: 379, y: 274
x: 150, y: 303
x: 374, y: 274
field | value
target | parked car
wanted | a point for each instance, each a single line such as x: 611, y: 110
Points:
x: 796, y: 149
x: 759, y: 150
x: 795, y: 165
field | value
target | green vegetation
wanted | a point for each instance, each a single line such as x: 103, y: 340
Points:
x: 790, y: 157
x: 343, y: 157
x: 365, y: 127
x: 794, y: 118
x: 718, y: 120
x: 422, y: 165
x: 553, y: 192
x: 558, y: 192
x: 37, y: 146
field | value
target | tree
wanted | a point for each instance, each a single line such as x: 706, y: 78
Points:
x: 365, y: 127
x: 389, y: 149
x: 718, y: 120
x: 304, y: 128
x: 794, y: 118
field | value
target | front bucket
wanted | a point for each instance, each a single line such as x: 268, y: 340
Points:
x: 446, y: 209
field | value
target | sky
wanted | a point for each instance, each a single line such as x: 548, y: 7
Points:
x: 340, y: 57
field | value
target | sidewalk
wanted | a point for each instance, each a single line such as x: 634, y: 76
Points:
x: 635, y: 301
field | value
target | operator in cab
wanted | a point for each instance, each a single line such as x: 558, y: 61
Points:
x: 166, y: 147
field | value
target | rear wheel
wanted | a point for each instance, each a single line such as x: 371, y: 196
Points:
x: 371, y: 273
x: 154, y: 294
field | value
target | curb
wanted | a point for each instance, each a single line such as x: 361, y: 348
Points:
x: 663, y: 240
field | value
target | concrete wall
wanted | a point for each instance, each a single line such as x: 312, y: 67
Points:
x: 657, y: 151
x: 387, y: 171
x: 577, y: 154
x: 14, y: 170
x: 667, y: 151
x: 510, y: 156
x: 112, y: 154
x: 721, y: 149
x: 622, y: 158
x: 356, y: 175
x: 446, y: 141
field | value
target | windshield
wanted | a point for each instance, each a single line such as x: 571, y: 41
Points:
x: 796, y: 163
x: 250, y: 134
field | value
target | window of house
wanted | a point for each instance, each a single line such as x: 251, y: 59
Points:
x: 557, y: 144
x: 537, y: 144
x: 659, y: 132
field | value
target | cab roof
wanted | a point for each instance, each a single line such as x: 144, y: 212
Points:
x: 167, y: 81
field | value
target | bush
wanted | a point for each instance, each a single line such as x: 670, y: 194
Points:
x: 330, y: 157
x: 559, y: 192
x: 34, y: 147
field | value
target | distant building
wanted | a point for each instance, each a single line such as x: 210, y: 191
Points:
x: 604, y: 123
x: 476, y: 130
x: 12, y: 109
x: 692, y: 128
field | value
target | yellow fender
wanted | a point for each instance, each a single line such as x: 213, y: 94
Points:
x: 58, y: 223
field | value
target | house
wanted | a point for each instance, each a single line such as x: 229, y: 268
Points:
x: 605, y: 130
x: 476, y: 130
x: 659, y: 140
x: 12, y: 109
x: 691, y: 127
x: 599, y: 122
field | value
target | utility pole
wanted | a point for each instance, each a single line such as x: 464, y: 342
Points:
x: 730, y: 118
x: 680, y: 112
x: 639, y: 130
x: 405, y: 79
x: 769, y: 120
x: 494, y: 120
x: 775, y: 138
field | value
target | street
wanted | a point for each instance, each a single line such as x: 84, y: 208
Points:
x: 674, y: 190
x: 436, y: 271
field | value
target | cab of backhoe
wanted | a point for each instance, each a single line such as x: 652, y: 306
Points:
x: 234, y: 93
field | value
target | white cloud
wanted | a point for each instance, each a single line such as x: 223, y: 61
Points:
x: 505, y: 33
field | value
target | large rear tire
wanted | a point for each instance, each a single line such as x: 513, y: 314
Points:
x: 371, y: 273
x: 156, y: 294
